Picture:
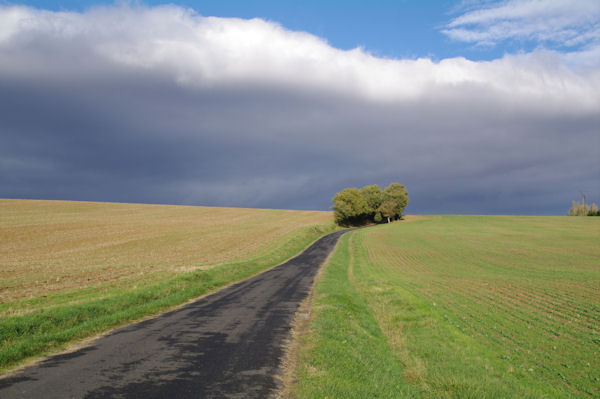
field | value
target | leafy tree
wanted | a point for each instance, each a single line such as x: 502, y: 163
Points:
x: 397, y: 195
x: 354, y: 207
x: 388, y: 209
x: 373, y: 197
x: 349, y: 207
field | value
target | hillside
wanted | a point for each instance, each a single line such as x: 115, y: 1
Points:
x: 71, y: 269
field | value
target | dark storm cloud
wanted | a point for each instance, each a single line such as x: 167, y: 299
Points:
x: 162, y: 105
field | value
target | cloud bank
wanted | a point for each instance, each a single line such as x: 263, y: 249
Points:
x: 165, y: 105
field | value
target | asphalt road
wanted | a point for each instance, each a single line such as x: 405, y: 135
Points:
x: 226, y: 345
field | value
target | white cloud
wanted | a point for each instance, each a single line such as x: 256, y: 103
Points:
x: 223, y: 101
x: 199, y: 51
x: 554, y: 22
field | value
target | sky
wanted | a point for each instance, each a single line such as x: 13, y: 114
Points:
x: 478, y: 107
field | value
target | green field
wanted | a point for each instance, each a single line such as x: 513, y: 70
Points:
x: 70, y: 270
x: 458, y: 307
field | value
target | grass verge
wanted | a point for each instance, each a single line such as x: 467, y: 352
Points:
x: 345, y: 354
x: 41, y: 325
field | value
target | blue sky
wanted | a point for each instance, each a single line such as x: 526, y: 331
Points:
x: 485, y: 107
x: 388, y: 28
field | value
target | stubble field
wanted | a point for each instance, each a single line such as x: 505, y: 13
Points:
x: 72, y: 269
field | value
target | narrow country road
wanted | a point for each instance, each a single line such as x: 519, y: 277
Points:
x: 226, y: 345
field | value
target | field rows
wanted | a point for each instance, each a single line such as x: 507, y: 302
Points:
x: 510, y: 301
x: 476, y: 306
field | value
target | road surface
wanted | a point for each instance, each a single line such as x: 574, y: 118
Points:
x: 226, y: 345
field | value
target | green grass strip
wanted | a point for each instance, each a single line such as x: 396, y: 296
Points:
x: 46, y: 330
x: 345, y: 354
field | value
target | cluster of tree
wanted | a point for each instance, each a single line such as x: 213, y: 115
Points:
x: 578, y: 209
x: 370, y: 204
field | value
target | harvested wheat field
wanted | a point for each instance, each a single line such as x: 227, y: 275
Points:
x: 79, y: 257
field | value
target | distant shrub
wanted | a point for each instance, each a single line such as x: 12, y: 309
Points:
x: 578, y: 209
x: 377, y: 218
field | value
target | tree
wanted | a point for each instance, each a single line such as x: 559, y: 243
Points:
x: 354, y: 207
x: 349, y: 207
x: 578, y: 209
x: 373, y: 197
x: 396, y: 197
x: 388, y: 209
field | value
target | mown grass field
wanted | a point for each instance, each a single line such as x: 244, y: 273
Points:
x: 458, y: 307
x: 69, y: 270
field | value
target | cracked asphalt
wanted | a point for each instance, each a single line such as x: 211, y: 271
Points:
x: 226, y: 345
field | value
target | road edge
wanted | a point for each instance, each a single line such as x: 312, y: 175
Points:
x: 287, y: 373
x: 86, y: 342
